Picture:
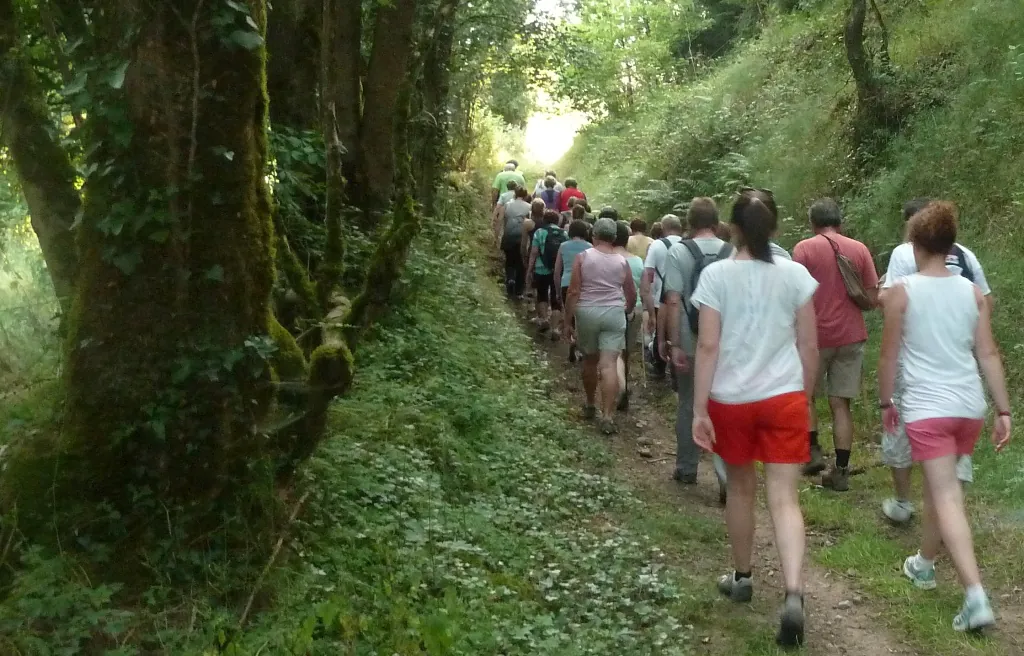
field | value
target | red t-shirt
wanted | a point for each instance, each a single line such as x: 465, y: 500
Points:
x: 567, y: 193
x: 840, y: 321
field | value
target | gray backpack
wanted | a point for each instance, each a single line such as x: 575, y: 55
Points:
x: 700, y: 260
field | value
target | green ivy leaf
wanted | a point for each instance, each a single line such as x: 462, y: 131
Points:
x: 77, y: 85
x: 117, y: 77
x: 215, y: 273
x: 246, y: 39
x: 127, y: 262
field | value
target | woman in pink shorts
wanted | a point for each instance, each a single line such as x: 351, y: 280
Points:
x: 938, y: 331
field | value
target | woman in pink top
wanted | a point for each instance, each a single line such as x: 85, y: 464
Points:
x: 600, y: 291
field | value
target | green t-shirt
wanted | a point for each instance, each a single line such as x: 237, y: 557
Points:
x: 540, y: 237
x: 501, y: 180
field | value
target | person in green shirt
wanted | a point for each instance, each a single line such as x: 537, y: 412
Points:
x: 501, y: 180
x: 542, y: 275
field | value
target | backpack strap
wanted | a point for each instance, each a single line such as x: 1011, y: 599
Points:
x: 695, y: 251
x: 961, y: 261
x: 725, y: 251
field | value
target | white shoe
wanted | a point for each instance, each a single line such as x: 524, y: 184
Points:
x: 922, y: 577
x: 898, y: 511
x: 965, y: 469
x: 974, y: 616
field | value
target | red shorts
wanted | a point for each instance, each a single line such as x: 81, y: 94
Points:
x: 943, y: 436
x: 773, y: 430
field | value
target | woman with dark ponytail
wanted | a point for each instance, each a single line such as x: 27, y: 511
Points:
x: 756, y: 357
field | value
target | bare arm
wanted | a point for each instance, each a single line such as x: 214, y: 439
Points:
x: 708, y: 342
x: 873, y: 294
x: 534, y: 252
x: 629, y: 288
x: 987, y: 352
x: 645, y: 290
x: 559, y: 265
x: 573, y: 295
x: 807, y: 344
x: 670, y: 308
x: 893, y: 308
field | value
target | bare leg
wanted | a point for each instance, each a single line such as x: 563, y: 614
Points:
x: 931, y: 541
x: 609, y: 383
x: 739, y: 513
x: 948, y: 498
x: 590, y: 377
x: 784, y: 507
x: 901, y: 483
x: 842, y: 422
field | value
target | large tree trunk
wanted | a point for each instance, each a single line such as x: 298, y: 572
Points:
x: 388, y: 68
x: 344, y: 62
x: 433, y: 90
x: 293, y: 56
x: 167, y: 373
x: 43, y: 167
x: 878, y: 111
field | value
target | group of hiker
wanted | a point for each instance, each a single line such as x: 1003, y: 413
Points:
x: 751, y: 336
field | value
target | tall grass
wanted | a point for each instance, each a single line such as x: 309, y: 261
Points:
x: 778, y: 114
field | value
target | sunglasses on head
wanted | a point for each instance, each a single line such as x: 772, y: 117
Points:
x: 744, y: 190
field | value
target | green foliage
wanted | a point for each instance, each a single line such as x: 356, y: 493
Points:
x: 778, y: 113
x: 52, y: 608
x: 449, y: 513
x: 299, y: 170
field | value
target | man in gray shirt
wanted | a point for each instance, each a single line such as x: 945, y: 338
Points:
x: 683, y: 265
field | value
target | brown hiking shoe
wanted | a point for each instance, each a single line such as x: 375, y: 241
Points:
x: 817, y: 463
x: 838, y: 479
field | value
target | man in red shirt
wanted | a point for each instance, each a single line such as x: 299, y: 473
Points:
x: 571, y: 191
x: 841, y: 332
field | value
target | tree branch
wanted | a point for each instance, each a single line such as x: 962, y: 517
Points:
x: 43, y: 166
x: 884, y: 54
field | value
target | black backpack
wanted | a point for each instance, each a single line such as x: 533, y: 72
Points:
x: 957, y: 257
x: 555, y: 238
x: 700, y: 260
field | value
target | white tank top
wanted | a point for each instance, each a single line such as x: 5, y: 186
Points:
x: 940, y: 374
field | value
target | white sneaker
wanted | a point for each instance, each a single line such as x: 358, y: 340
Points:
x: 965, y: 469
x: 974, y: 616
x: 898, y: 511
x: 922, y: 577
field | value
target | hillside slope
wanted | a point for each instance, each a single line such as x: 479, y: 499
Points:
x: 778, y: 114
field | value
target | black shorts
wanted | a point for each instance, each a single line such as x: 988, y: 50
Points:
x: 545, y: 286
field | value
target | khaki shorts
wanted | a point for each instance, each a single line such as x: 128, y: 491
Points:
x: 600, y: 329
x: 839, y: 371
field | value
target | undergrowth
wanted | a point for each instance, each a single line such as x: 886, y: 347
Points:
x: 454, y: 510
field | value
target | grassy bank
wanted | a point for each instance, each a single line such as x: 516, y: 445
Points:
x: 778, y: 113
x: 455, y: 509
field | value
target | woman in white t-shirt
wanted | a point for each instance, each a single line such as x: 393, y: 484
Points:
x: 756, y: 355
x: 937, y: 332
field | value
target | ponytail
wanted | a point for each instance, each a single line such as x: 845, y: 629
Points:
x: 755, y: 222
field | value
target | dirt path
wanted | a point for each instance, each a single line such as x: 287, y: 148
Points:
x: 841, y: 620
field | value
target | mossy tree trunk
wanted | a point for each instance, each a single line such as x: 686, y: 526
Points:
x: 167, y: 375
x: 43, y: 167
x: 878, y: 112
x: 293, y: 52
x: 432, y: 91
